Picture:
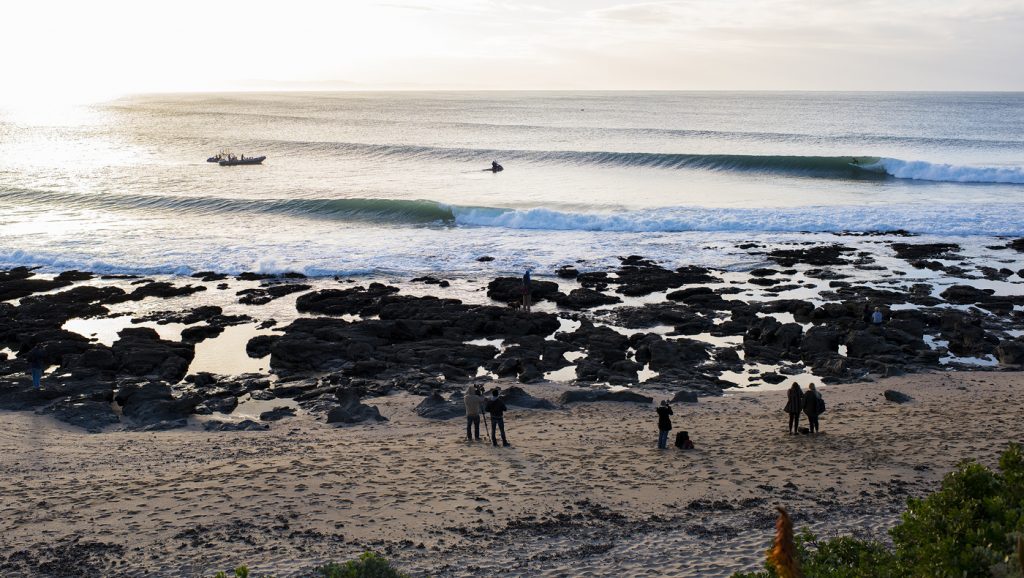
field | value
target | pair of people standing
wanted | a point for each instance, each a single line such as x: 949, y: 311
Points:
x: 810, y: 403
x: 477, y: 404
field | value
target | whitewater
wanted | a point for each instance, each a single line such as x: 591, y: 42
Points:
x: 392, y: 183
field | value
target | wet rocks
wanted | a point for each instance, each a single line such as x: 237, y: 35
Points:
x: 819, y: 256
x: 139, y: 351
x: 428, y: 280
x: 769, y: 340
x: 18, y: 282
x: 583, y: 298
x: 662, y: 354
x: 567, y: 272
x: 200, y: 333
x: 909, y: 252
x: 508, y: 289
x: 267, y: 293
x: 966, y: 336
x: 161, y: 290
x: 352, y: 301
x: 966, y: 294
x: 208, y: 276
x: 259, y: 347
x: 592, y: 395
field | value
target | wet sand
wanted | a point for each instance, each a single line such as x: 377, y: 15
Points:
x: 582, y: 491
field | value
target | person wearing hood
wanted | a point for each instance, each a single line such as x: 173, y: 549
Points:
x: 474, y: 406
x: 496, y: 407
x: 664, y: 423
x: 794, y: 405
x: 813, y: 406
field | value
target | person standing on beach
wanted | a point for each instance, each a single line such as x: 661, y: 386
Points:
x: 812, y: 407
x: 794, y: 406
x: 474, y: 405
x: 36, y: 364
x: 496, y: 407
x: 664, y: 424
x: 527, y: 288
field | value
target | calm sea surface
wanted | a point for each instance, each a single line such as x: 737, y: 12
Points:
x: 393, y: 183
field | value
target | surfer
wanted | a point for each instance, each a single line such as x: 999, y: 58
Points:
x: 854, y: 161
x: 495, y: 167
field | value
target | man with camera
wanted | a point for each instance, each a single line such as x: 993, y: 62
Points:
x: 475, y: 401
x: 664, y: 423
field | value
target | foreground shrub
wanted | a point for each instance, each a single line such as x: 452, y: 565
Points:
x: 369, y: 565
x: 973, y: 527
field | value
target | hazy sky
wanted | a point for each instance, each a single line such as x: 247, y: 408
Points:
x: 100, y: 48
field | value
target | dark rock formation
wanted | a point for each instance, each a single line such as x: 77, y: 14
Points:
x: 278, y: 413
x: 139, y: 351
x: 820, y: 256
x: 592, y: 395
x: 89, y: 414
x: 508, y: 289
x: 583, y: 298
x: 267, y: 293
x: 896, y: 396
x: 149, y: 403
x: 435, y: 406
x: 351, y: 410
x: 518, y: 397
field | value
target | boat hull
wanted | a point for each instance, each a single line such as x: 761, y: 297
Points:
x: 235, y: 162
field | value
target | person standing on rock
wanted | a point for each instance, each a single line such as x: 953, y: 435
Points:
x: 527, y: 288
x: 496, y: 407
x: 794, y: 405
x: 664, y: 424
x: 36, y: 364
x: 474, y: 405
x: 812, y: 407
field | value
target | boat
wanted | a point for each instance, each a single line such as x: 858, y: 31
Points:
x: 232, y: 160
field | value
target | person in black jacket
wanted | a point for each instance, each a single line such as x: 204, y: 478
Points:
x: 36, y: 364
x: 812, y: 407
x: 496, y: 407
x: 793, y: 407
x: 664, y: 423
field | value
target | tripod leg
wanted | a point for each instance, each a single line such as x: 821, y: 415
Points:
x: 487, y: 429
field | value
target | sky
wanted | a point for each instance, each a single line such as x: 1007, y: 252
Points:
x: 70, y: 49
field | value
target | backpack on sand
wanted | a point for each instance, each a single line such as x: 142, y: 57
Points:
x: 683, y: 441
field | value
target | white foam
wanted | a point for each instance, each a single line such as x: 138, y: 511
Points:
x: 963, y: 219
x: 926, y: 171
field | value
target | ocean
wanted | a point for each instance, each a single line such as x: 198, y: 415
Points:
x: 393, y: 183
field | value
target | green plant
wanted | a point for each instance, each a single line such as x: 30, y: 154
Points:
x: 240, y: 572
x: 369, y: 565
x: 971, y: 528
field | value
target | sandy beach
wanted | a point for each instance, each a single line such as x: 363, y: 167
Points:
x: 582, y: 491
